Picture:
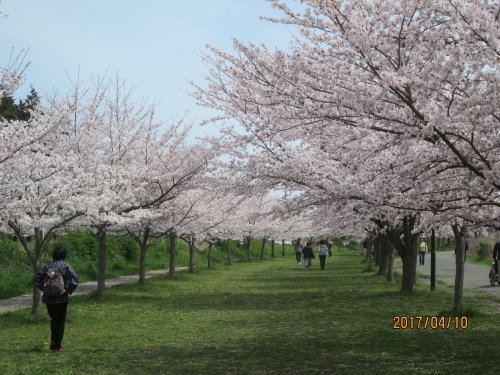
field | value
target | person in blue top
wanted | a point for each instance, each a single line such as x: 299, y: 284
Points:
x: 57, y: 305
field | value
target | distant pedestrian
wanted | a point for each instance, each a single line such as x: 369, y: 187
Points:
x: 307, y: 251
x: 297, y: 245
x: 422, y: 249
x: 57, y: 305
x: 329, y: 245
x: 323, y: 251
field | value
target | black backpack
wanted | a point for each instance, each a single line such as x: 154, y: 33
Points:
x: 54, y: 283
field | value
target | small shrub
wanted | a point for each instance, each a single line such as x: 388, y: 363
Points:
x: 130, y: 249
x: 15, y: 283
x: 484, y: 251
x: 89, y: 272
x: 82, y: 243
x: 469, y: 312
x: 369, y: 269
x: 123, y: 246
x: 11, y: 253
x: 118, y: 266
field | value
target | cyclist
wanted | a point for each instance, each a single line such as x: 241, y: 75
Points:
x: 496, y: 255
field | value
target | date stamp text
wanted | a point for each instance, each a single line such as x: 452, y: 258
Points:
x: 430, y: 322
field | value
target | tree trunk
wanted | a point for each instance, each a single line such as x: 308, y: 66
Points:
x: 173, y: 250
x: 190, y: 241
x: 209, y: 255
x: 384, y: 249
x: 35, y: 256
x: 228, y: 252
x: 142, y: 264
x: 191, y: 253
x: 248, y: 245
x: 390, y: 263
x: 407, y: 250
x: 40, y: 250
x: 409, y: 272
x: 409, y: 258
x: 264, y: 240
x: 36, y: 306
x: 101, y: 261
x: 368, y: 255
x: 283, y: 248
x: 143, y: 243
x: 459, y: 232
x: 273, y: 252
x: 377, y: 250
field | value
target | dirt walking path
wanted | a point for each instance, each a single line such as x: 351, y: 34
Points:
x: 21, y: 302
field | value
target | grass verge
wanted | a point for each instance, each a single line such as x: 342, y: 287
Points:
x: 259, y: 317
x: 122, y: 258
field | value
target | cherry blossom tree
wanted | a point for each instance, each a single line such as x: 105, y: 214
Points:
x: 103, y: 159
x: 35, y: 197
x: 402, y: 68
x: 138, y: 167
x: 400, y: 74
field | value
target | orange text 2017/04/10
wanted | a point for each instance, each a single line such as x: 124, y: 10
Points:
x: 432, y: 322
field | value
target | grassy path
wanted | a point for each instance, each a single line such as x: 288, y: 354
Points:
x: 259, y: 317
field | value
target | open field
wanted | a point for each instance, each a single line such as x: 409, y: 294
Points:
x: 259, y: 317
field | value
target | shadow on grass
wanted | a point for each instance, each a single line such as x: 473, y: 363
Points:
x: 292, y: 350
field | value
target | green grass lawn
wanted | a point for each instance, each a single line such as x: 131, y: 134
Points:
x: 16, y: 272
x: 257, y: 317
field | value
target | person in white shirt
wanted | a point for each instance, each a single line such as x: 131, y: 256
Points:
x: 323, y: 252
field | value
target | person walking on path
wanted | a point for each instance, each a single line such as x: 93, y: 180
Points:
x: 323, y: 252
x: 57, y: 305
x: 422, y: 249
x: 307, y: 251
x: 297, y: 245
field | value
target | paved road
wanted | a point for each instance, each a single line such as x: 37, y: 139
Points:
x: 475, y: 277
x: 16, y: 303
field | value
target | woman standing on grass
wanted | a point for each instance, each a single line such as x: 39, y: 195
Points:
x: 57, y: 305
x: 307, y: 251
x: 323, y: 251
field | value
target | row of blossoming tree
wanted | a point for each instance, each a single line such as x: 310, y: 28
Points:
x: 384, y: 113
x: 381, y: 118
x: 97, y: 158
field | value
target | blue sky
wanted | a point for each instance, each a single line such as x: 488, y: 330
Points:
x: 153, y: 44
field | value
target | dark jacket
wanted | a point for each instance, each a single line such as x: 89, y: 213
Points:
x: 496, y: 250
x: 70, y: 281
x: 307, y: 252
